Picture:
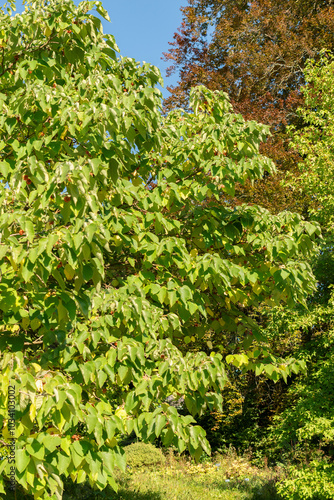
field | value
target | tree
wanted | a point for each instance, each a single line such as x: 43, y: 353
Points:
x: 296, y: 423
x: 314, y: 141
x: 110, y: 263
x: 256, y: 52
x: 312, y: 406
x: 301, y: 433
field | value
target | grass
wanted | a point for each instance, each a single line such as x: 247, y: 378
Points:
x: 226, y: 477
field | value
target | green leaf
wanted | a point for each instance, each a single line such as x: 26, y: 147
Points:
x: 29, y: 227
x: 124, y: 374
x: 56, y: 274
x: 87, y: 272
x: 120, y: 459
x: 36, y: 449
x: 74, y: 54
x: 22, y: 460
x: 66, y: 211
x: 269, y: 369
x: 185, y: 293
x: 63, y: 462
x: 259, y: 369
x: 101, y: 377
x: 76, y: 458
x: 4, y: 168
x: 181, y: 445
x: 130, y: 402
x: 160, y: 422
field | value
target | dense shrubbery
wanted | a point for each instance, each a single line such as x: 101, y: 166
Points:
x: 143, y: 455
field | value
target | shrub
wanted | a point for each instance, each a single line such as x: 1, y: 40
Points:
x: 312, y: 482
x: 143, y: 454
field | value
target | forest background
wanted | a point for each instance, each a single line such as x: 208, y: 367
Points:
x: 263, y: 55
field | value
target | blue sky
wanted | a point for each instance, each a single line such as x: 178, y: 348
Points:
x: 143, y: 28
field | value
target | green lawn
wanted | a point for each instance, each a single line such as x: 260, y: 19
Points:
x: 158, y: 486
x: 232, y: 479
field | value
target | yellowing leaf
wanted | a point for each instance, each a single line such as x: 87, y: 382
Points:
x: 111, y: 442
x: 69, y: 272
x: 52, y: 431
x: 25, y: 323
x: 65, y: 444
x: 137, y: 181
x: 256, y: 288
x: 36, y: 367
x: 101, y: 195
x: 35, y: 323
x: 209, y: 311
x: 32, y: 411
x: 64, y: 133
x: 39, y: 385
x: 6, y: 433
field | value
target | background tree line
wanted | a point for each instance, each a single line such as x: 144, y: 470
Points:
x: 274, y: 60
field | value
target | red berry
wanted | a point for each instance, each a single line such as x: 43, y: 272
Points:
x: 21, y: 232
x: 67, y: 198
x: 60, y: 265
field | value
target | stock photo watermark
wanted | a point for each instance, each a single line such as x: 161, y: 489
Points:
x: 10, y: 439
